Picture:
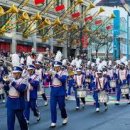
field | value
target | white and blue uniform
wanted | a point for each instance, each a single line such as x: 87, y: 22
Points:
x: 79, y: 84
x: 99, y: 84
x: 16, y: 103
x: 122, y: 80
x: 33, y: 86
x: 58, y: 92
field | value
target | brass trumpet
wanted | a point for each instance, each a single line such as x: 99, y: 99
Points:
x: 6, y: 78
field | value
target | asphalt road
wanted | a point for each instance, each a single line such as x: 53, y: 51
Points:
x: 116, y: 118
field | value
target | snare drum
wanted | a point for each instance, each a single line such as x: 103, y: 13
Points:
x: 81, y: 93
x: 125, y: 90
x: 113, y: 84
x: 88, y: 80
x: 103, y: 97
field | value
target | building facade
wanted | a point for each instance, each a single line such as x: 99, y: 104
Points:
x: 13, y: 40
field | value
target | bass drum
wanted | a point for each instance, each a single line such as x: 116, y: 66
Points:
x: 81, y: 93
x: 103, y: 97
x: 125, y: 90
x: 113, y: 84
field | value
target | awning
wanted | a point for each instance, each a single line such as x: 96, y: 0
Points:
x: 112, y: 2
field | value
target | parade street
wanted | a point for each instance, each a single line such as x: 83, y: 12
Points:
x: 116, y: 118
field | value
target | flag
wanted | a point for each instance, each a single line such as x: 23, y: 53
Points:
x: 59, y: 8
x: 109, y: 27
x: 75, y: 15
x: 98, y: 22
x: 37, y: 2
x: 89, y: 18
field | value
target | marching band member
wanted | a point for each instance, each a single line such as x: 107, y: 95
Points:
x: 39, y: 71
x: 122, y: 83
x: 58, y: 92
x: 100, y: 85
x: 70, y: 80
x: 16, y: 100
x: 33, y: 86
x: 79, y: 84
x: 112, y: 78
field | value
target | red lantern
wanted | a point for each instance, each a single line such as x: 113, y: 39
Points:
x: 75, y: 15
x: 37, y: 2
x: 59, y: 8
x: 89, y: 18
x: 85, y: 41
x: 98, y: 22
x: 109, y: 27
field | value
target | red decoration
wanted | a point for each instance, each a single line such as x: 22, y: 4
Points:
x: 109, y: 27
x: 5, y: 46
x: 98, y: 22
x: 59, y: 8
x: 23, y: 48
x: 41, y: 49
x: 75, y: 15
x: 89, y: 18
x: 39, y: 2
x: 85, y: 41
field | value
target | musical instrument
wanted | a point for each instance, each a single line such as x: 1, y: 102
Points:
x: 81, y: 93
x: 125, y: 89
x: 6, y: 78
x: 12, y: 11
x: 103, y: 97
x: 113, y: 84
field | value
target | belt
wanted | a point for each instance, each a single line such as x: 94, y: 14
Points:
x: 56, y: 86
x: 13, y: 96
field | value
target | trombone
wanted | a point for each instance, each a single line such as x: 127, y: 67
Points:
x: 58, y: 20
x: 24, y: 18
x: 112, y: 16
x: 45, y: 10
x: 64, y: 28
x: 12, y: 10
x: 45, y: 23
